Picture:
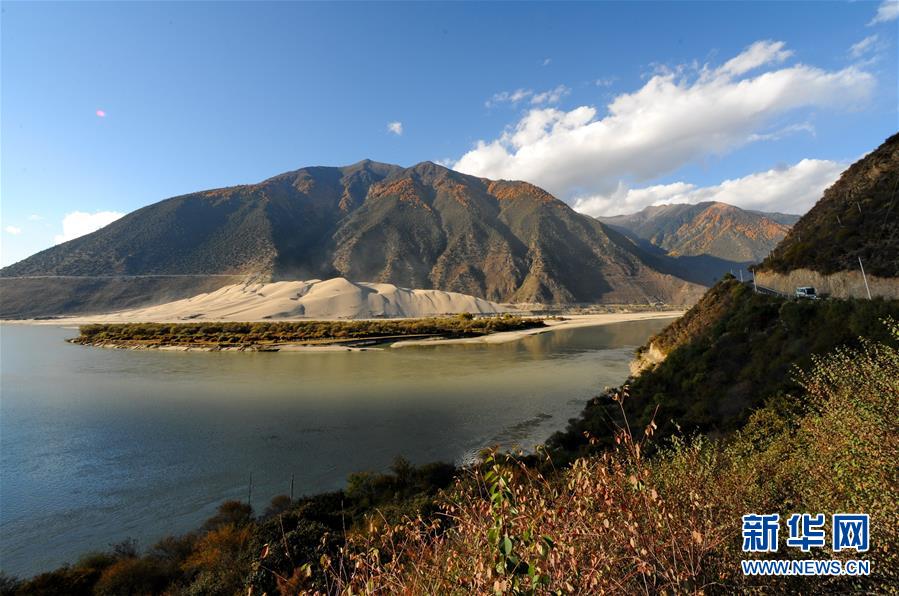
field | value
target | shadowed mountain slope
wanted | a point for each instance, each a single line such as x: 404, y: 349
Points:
x: 858, y: 217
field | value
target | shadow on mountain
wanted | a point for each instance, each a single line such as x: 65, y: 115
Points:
x: 699, y: 269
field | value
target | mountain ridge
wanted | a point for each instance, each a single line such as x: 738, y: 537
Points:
x: 424, y: 226
x: 708, y: 228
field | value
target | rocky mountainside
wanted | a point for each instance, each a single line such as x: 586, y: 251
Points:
x: 858, y: 217
x: 787, y: 219
x: 419, y: 227
x: 713, y: 229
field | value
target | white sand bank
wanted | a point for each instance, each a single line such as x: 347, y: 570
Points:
x: 570, y: 322
x: 336, y: 298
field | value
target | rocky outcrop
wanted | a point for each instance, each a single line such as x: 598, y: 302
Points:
x: 646, y: 359
x: 697, y: 321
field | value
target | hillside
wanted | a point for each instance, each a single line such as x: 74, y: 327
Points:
x: 856, y: 218
x: 419, y: 227
x: 622, y: 522
x: 279, y: 225
x: 710, y: 309
x: 711, y: 228
x: 732, y: 352
x: 787, y: 219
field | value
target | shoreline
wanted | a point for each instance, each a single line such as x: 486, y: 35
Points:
x: 116, y: 318
x: 570, y: 322
x: 233, y: 350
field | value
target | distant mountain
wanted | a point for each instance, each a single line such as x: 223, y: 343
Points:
x: 858, y: 217
x: 712, y: 229
x: 419, y: 227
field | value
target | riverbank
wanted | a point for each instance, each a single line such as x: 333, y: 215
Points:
x: 568, y: 322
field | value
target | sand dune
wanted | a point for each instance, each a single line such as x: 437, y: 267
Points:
x: 336, y: 298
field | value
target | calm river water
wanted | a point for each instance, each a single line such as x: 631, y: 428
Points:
x: 97, y: 446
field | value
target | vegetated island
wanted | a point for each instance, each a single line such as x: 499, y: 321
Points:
x: 286, y: 335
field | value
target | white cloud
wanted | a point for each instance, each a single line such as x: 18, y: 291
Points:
x: 513, y: 98
x: 863, y: 47
x: 510, y: 97
x: 886, y: 12
x: 780, y: 133
x: 13, y: 230
x: 550, y: 97
x: 395, y: 127
x: 758, y: 54
x: 677, y: 117
x: 792, y: 189
x: 79, y: 223
x: 35, y: 217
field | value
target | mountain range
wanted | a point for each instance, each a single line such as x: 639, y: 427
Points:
x: 702, y: 242
x: 711, y: 228
x: 420, y: 227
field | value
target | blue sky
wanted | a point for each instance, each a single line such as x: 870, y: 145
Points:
x: 609, y: 106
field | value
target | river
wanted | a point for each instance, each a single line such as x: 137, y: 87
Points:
x: 99, y: 445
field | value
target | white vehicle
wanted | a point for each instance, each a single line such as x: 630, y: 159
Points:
x: 806, y: 292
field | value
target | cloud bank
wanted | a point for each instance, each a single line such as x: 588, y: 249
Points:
x: 792, y: 189
x: 79, y: 223
x: 678, y: 117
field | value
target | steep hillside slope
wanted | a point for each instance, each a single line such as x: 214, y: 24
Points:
x: 419, y: 227
x: 714, y: 304
x: 731, y: 353
x: 787, y: 219
x: 508, y: 241
x: 280, y: 224
x: 712, y: 228
x: 858, y: 217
